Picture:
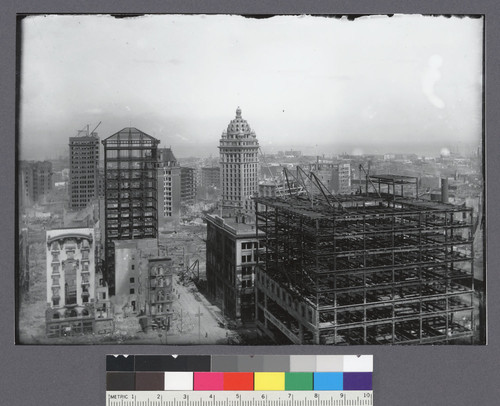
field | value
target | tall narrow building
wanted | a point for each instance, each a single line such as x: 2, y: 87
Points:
x: 232, y: 240
x: 35, y: 181
x: 188, y: 185
x: 83, y: 170
x: 169, y: 187
x: 130, y: 201
x: 239, y: 162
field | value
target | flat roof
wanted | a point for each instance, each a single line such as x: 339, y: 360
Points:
x: 231, y: 225
x: 354, y: 205
x: 399, y: 179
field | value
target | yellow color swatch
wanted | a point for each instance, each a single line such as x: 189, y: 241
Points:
x: 269, y: 381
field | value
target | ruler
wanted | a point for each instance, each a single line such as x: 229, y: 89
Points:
x: 239, y: 398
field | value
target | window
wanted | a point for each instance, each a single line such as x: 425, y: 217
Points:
x: 112, y: 153
x: 132, y: 280
x: 132, y: 291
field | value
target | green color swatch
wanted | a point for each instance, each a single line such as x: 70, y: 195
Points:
x: 298, y: 381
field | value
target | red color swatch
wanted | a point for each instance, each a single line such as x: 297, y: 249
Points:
x: 238, y: 380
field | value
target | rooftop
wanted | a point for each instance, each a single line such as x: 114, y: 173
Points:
x: 130, y: 135
x: 236, y: 225
x: 349, y: 205
x: 166, y: 155
x: 238, y: 129
x: 59, y: 233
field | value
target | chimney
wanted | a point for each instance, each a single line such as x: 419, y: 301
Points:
x: 444, y: 190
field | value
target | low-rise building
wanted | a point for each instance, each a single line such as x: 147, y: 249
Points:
x: 335, y: 176
x: 232, y: 244
x: 131, y: 277
x: 71, y: 282
x: 160, y: 291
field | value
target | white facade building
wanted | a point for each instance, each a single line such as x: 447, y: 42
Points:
x: 70, y: 271
x: 239, y: 161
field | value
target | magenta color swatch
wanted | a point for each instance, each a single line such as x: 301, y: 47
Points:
x: 208, y: 381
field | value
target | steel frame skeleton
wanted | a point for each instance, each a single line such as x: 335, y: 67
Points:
x: 378, y: 268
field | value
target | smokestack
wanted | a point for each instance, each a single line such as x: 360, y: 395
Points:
x: 444, y: 190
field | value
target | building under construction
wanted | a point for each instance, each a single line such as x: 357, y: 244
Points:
x: 378, y: 267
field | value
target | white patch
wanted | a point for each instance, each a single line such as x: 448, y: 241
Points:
x: 431, y: 76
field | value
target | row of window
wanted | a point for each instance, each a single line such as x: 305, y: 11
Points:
x: 150, y: 204
x: 128, y: 165
x: 286, y: 297
x: 147, y: 232
x: 248, y: 245
x: 246, y: 258
x: 126, y: 215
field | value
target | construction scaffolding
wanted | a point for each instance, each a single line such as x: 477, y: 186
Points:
x: 372, y: 268
x: 130, y: 201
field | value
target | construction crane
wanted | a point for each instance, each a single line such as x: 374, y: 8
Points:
x: 86, y: 132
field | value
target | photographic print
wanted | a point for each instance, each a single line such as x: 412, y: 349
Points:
x: 253, y: 180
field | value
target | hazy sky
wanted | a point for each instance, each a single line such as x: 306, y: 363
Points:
x: 326, y: 85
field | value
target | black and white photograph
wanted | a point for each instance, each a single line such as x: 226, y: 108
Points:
x: 251, y: 180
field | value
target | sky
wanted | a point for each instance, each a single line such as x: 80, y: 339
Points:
x: 406, y: 83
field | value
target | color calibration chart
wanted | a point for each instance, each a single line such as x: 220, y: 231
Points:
x: 239, y: 380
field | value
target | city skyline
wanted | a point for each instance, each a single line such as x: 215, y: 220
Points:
x: 329, y: 81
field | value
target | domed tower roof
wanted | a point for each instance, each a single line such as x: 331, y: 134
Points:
x: 239, y: 126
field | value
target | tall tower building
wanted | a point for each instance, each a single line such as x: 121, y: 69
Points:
x: 169, y: 187
x: 130, y: 200
x: 239, y: 162
x: 83, y: 170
